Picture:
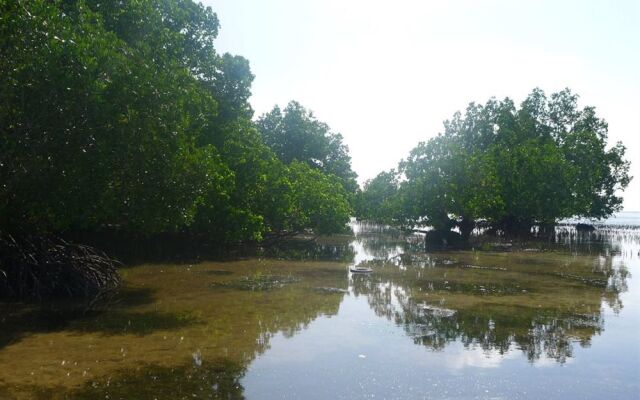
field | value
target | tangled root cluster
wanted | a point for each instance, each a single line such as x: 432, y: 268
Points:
x: 39, y: 267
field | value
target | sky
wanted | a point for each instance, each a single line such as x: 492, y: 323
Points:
x: 386, y: 74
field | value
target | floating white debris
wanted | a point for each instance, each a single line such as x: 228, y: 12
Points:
x: 438, y: 311
x: 197, y: 358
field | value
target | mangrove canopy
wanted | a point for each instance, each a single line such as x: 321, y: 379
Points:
x: 123, y: 117
x: 513, y: 167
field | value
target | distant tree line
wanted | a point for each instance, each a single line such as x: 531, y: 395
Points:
x: 512, y: 167
x: 121, y: 116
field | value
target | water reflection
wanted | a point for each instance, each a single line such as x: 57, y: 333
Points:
x: 298, y: 324
x: 541, y: 303
x: 334, y: 248
x: 210, y: 380
x: 536, y: 333
x: 192, y: 336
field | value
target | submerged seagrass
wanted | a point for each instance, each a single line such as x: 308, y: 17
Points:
x: 269, y: 328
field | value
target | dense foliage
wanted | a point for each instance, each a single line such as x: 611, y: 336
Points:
x: 122, y: 116
x: 380, y: 199
x: 513, y: 167
x: 295, y: 134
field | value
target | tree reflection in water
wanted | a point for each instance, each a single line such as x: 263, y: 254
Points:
x: 222, y: 330
x: 193, y: 330
x: 539, y: 302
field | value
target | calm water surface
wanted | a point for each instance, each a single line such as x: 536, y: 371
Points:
x: 557, y: 320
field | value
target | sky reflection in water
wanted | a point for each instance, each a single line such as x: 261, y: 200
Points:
x: 559, y: 324
x: 382, y: 344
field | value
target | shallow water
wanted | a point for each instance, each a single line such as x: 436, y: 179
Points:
x: 558, y: 320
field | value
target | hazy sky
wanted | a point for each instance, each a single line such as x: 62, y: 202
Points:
x: 386, y: 74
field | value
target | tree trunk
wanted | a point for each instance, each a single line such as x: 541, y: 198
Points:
x: 466, y: 226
